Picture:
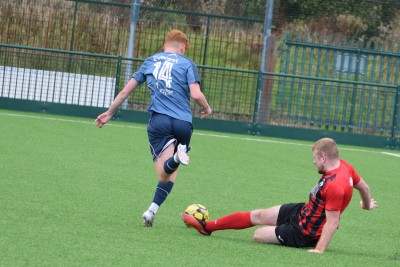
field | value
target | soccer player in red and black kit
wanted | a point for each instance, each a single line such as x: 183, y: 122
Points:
x: 310, y: 224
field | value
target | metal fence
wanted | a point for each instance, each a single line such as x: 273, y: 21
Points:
x: 340, y: 58
x: 104, y: 28
x: 73, y: 52
x: 236, y: 95
x: 345, y: 106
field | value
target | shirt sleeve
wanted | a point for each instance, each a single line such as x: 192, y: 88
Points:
x: 139, y: 75
x: 354, y: 175
x: 192, y: 74
x: 334, y: 195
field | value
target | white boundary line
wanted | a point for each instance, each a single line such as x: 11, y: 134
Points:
x: 114, y: 124
x: 391, y: 154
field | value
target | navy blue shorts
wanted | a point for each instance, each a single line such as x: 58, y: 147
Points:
x: 287, y: 230
x: 163, y: 130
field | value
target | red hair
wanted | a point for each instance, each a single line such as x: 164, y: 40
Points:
x: 177, y: 36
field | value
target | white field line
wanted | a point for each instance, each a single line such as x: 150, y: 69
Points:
x: 114, y: 124
x: 391, y: 154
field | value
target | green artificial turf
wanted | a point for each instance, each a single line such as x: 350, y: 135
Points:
x: 72, y: 194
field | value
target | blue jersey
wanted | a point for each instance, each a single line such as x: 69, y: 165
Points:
x: 168, y: 76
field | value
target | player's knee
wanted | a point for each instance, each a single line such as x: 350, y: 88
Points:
x: 258, y: 236
x: 256, y: 217
x: 265, y: 235
x: 163, y: 178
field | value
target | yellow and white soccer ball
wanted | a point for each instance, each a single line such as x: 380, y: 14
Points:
x: 198, y: 211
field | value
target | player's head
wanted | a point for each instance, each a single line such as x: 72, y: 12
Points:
x: 176, y: 40
x: 325, y: 153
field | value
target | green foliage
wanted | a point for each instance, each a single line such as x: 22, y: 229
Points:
x: 372, y: 13
x: 73, y: 195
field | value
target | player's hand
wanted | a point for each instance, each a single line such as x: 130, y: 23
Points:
x: 103, y: 119
x: 373, y: 204
x: 314, y: 250
x: 206, y: 111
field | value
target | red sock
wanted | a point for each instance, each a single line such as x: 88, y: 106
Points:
x: 238, y: 220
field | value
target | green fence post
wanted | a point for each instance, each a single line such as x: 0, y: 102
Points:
x: 395, y: 119
x: 257, y: 102
x: 203, y: 85
x: 354, y: 94
x: 206, y: 40
x: 71, y: 44
x: 118, y: 76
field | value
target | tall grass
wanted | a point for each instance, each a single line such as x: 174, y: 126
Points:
x: 104, y: 29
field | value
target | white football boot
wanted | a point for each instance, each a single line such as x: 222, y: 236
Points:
x: 181, y: 154
x: 148, y: 218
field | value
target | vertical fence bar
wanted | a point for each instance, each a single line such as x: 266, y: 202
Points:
x: 206, y: 40
x: 71, y: 44
x: 205, y: 53
x: 257, y: 101
x: 117, y: 76
x: 355, y: 89
x: 291, y: 99
x: 396, y: 72
x: 269, y: 8
x: 135, y: 8
x: 395, y: 119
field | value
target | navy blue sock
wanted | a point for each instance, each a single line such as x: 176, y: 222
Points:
x: 162, y: 192
x: 170, y: 165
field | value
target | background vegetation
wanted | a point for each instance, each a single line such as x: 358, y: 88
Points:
x: 222, y: 33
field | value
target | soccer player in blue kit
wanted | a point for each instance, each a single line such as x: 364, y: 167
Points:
x: 172, y: 79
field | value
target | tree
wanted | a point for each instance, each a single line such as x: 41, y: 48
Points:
x: 372, y: 12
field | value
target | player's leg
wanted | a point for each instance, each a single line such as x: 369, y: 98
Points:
x: 242, y: 220
x: 164, y: 185
x: 161, y: 131
x: 266, y: 234
x: 176, y: 139
x: 182, y: 132
x: 277, y: 215
x: 285, y: 232
x: 165, y: 164
x: 169, y: 140
x: 162, y: 145
x: 237, y: 220
x: 267, y: 216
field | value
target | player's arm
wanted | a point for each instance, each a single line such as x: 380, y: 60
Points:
x: 332, y: 223
x: 106, y: 116
x: 200, y: 99
x: 366, y: 202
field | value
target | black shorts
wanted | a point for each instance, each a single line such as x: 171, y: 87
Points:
x: 287, y: 230
x: 163, y: 130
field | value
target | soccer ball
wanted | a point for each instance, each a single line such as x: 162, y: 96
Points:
x: 198, y: 211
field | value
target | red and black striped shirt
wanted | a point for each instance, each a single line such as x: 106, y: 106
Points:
x: 333, y: 192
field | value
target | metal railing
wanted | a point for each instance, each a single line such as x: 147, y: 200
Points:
x: 253, y: 97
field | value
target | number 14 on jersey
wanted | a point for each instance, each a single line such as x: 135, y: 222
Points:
x: 163, y: 72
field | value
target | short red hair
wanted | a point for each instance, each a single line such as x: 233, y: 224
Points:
x: 177, y: 36
x: 326, y: 146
